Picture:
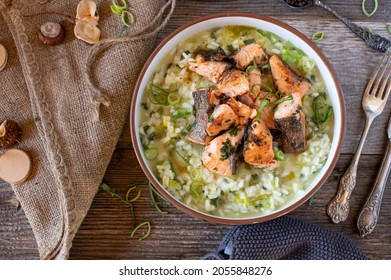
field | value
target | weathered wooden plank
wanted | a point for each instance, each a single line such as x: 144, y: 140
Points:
x: 179, y: 236
x: 105, y: 232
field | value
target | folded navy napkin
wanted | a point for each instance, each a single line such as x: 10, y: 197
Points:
x: 285, y: 238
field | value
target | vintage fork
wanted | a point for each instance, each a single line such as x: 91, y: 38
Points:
x: 373, y: 102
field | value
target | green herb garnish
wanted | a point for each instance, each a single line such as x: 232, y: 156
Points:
x: 322, y: 111
x: 127, y: 200
x: 227, y: 149
x: 156, y: 203
x: 249, y: 41
x: 364, y: 10
x: 317, y: 37
x: 388, y: 28
x: 180, y: 115
x: 127, y: 18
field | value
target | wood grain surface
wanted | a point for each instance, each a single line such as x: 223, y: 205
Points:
x: 105, y: 232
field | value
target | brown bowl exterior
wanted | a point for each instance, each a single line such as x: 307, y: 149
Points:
x: 216, y: 219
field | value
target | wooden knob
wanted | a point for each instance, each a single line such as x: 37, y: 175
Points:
x: 15, y: 166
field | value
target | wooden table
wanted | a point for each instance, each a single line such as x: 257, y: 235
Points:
x: 104, y: 233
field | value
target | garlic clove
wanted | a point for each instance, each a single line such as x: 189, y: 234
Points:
x: 87, y: 31
x: 51, y: 33
x: 10, y: 134
x: 3, y: 57
x: 86, y: 9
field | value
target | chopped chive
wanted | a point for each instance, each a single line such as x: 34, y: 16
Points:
x: 317, y: 37
x: 364, y: 10
x: 389, y: 28
x: 148, y: 224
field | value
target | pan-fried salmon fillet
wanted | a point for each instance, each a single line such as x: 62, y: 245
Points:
x: 287, y: 80
x: 258, y: 146
x: 198, y: 133
x: 244, y: 112
x: 222, y: 118
x: 233, y: 83
x: 219, y: 155
x: 248, y: 53
x: 290, y: 120
x: 210, y: 66
x: 254, y: 102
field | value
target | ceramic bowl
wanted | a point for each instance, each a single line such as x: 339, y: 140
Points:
x: 282, y: 30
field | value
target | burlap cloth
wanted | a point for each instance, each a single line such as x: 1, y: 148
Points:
x: 47, y: 90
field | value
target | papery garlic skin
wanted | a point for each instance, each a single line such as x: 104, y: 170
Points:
x: 86, y: 22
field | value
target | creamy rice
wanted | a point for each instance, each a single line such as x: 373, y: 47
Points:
x: 176, y: 162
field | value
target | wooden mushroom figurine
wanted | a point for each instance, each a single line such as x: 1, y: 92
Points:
x: 10, y: 134
x: 51, y: 33
x: 86, y: 22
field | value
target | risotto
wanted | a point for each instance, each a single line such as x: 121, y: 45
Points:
x: 168, y: 116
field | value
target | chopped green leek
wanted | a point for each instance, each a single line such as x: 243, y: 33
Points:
x: 173, y: 98
x: 265, y: 103
x: 266, y: 87
x: 307, y: 64
x: 127, y: 15
x: 174, y: 185
x: 195, y: 174
x: 279, y: 155
x: 181, y: 115
x: 195, y: 189
x: 128, y: 193
x: 158, y: 95
x: 148, y: 224
x: 249, y: 41
x: 183, y: 158
x: 155, y: 203
x: 317, y: 37
x: 322, y: 111
x: 364, y: 10
x: 151, y: 153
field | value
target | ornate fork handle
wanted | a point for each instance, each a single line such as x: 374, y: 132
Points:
x: 377, y: 42
x: 338, y: 208
x: 369, y: 215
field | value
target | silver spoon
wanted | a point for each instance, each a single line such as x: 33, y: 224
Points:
x: 377, y: 42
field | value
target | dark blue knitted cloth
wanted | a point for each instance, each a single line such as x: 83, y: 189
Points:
x: 285, y: 238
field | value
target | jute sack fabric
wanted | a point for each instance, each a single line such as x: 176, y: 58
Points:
x: 71, y: 101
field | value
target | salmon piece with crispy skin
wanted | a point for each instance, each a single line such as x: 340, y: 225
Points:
x: 286, y: 79
x: 209, y: 65
x: 258, y: 146
x: 219, y: 156
x: 222, y: 118
x: 233, y: 83
x: 248, y: 53
x: 244, y: 112
x: 290, y: 120
x: 198, y: 133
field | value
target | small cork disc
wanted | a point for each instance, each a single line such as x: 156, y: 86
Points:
x: 15, y: 166
x: 3, y: 57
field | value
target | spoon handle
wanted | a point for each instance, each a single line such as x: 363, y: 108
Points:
x: 377, y: 42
